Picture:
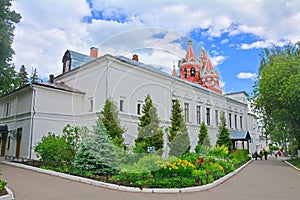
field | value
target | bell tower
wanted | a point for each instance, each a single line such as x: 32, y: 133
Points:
x: 199, y: 70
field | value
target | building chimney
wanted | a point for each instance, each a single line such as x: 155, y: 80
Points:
x: 94, y: 52
x: 51, y: 78
x: 135, y: 57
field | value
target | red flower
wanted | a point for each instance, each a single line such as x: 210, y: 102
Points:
x: 200, y: 161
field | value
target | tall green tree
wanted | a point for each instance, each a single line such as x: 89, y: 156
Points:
x: 178, y: 137
x: 223, y: 133
x: 97, y: 154
x: 149, y: 132
x: 110, y: 119
x: 7, y: 70
x: 277, y: 91
x: 22, y: 77
x: 203, y: 138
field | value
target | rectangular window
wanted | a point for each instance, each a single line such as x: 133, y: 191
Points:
x: 186, y: 112
x: 235, y: 121
x: 217, y: 117
x: 91, y: 104
x: 241, y: 122
x: 7, y: 109
x: 139, y: 106
x: 230, y: 122
x: 208, y: 116
x: 121, y: 105
x: 198, y: 113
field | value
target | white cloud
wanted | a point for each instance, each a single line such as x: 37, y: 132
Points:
x: 50, y: 27
x: 225, y: 41
x: 246, y: 75
x: 217, y: 60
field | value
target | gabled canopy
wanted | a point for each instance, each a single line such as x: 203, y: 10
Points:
x: 240, y: 135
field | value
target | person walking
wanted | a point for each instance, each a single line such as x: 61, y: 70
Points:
x: 266, y: 154
x: 255, y: 155
x: 261, y: 154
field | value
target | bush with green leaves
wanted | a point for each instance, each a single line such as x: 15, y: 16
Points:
x: 240, y: 154
x: 97, y: 154
x: 53, y: 150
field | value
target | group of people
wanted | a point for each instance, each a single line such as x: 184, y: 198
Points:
x: 261, y: 154
x: 264, y: 153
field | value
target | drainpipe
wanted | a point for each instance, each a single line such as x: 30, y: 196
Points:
x: 106, y: 78
x: 32, y: 120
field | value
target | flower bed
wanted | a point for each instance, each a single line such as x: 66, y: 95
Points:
x: 151, y: 171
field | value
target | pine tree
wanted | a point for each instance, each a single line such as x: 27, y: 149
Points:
x: 223, y: 133
x: 109, y: 117
x: 149, y: 132
x: 34, y: 76
x: 97, y: 154
x: 203, y: 138
x: 22, y: 77
x: 179, y: 141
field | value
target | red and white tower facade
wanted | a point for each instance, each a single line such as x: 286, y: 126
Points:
x: 199, y: 69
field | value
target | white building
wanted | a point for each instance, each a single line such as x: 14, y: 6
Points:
x: 78, y: 94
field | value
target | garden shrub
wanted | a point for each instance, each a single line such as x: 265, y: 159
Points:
x: 220, y: 151
x: 54, y: 150
x: 240, y: 154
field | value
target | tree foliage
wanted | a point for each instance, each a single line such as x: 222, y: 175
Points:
x: 277, y: 91
x: 203, y: 138
x: 149, y: 132
x: 53, y: 150
x: 97, y: 153
x: 22, y: 77
x: 7, y: 70
x: 178, y: 137
x: 110, y: 119
x: 223, y: 133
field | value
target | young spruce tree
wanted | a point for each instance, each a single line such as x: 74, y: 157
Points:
x: 149, y: 132
x: 178, y: 138
x: 97, y: 153
x: 203, y: 138
x: 223, y: 133
x: 110, y: 119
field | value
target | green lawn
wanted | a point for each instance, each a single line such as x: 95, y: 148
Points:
x: 295, y: 162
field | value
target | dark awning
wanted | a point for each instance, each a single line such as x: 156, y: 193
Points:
x: 3, y: 129
x: 240, y: 135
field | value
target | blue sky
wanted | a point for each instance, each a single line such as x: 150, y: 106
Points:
x: 233, y: 32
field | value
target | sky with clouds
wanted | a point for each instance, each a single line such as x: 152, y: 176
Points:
x: 233, y: 32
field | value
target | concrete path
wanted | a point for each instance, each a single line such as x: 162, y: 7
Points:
x: 267, y: 180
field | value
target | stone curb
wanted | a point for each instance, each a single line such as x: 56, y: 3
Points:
x: 288, y: 163
x: 9, y: 196
x: 129, y: 189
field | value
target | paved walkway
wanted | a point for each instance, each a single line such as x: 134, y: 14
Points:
x: 267, y: 180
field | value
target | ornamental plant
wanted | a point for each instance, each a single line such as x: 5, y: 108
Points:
x: 97, y: 154
x: 53, y: 150
x: 178, y: 168
x: 149, y: 132
x: 179, y: 141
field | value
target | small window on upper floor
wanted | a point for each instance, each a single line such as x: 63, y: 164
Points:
x: 193, y: 72
x: 122, y: 105
x: 139, y: 109
x: 7, y: 108
x: 185, y: 73
x: 91, y: 104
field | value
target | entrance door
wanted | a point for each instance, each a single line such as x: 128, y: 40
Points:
x: 18, y: 146
x: 3, y: 146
